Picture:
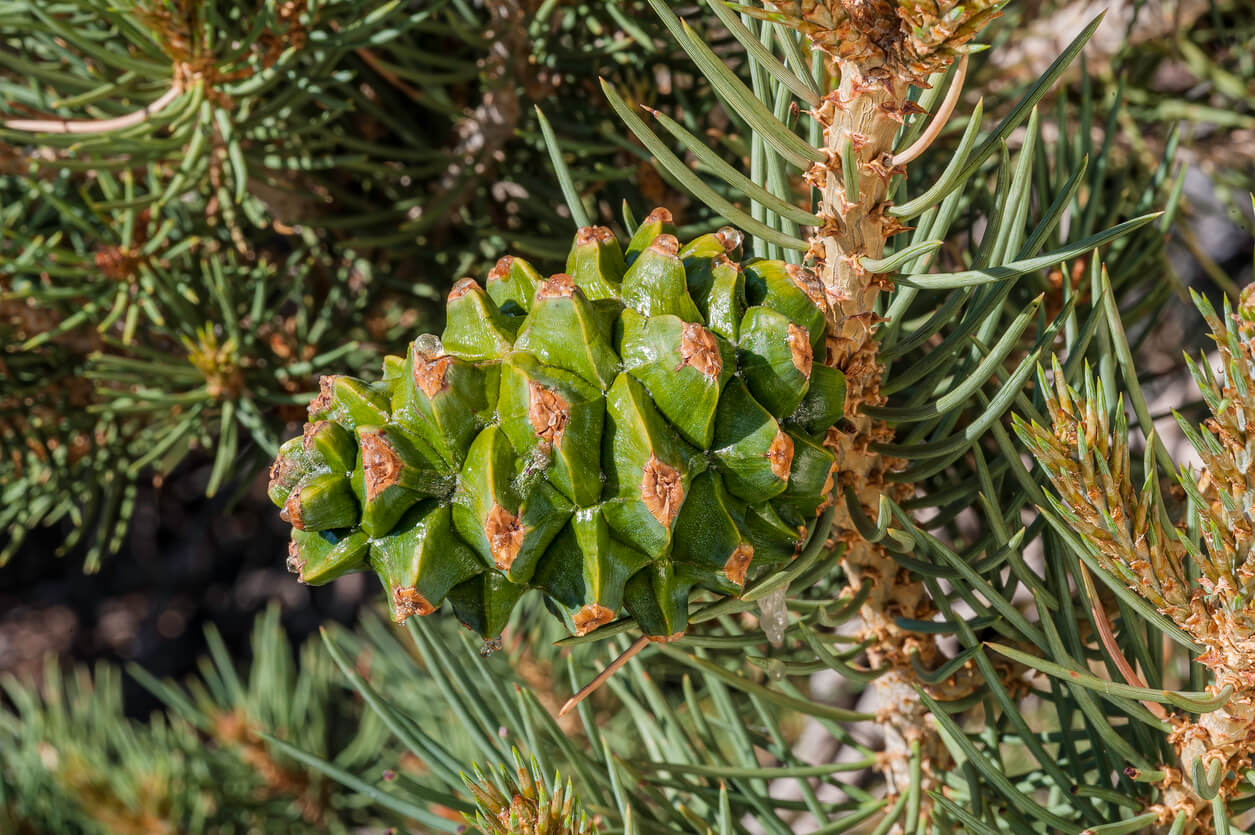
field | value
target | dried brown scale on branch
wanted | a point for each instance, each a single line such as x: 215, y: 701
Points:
x: 878, y: 49
x: 122, y: 263
x: 294, y: 35
x: 118, y: 263
x: 175, y: 26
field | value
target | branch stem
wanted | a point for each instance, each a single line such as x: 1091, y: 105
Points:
x: 604, y: 676
x: 1108, y: 638
x: 77, y: 126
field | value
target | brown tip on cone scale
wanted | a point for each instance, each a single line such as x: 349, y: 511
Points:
x: 800, y: 347
x: 501, y: 269
x: 658, y: 215
x: 738, y: 563
x: 666, y: 639
x: 780, y: 454
x: 730, y: 238
x: 295, y: 564
x: 291, y: 512
x: 464, y: 286
x: 431, y: 371
x: 407, y: 601
x: 593, y: 234
x: 560, y: 286
x: 808, y: 283
x: 699, y: 349
x: 590, y: 617
x: 381, y: 466
x: 505, y: 536
x: 308, y: 431
x: 548, y: 413
x: 666, y: 244
x: 326, y: 390
x: 281, y: 472
x: 722, y: 260
x: 661, y: 490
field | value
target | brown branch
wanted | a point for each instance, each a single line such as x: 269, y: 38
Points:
x: 1108, y: 638
x: 80, y: 126
x: 604, y: 676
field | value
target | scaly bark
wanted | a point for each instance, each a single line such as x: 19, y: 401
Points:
x: 859, y: 116
x: 878, y: 49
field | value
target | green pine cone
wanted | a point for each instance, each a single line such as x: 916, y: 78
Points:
x: 647, y: 423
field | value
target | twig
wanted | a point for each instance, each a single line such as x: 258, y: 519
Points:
x: 388, y: 75
x: 1109, y: 642
x: 939, y: 121
x: 76, y: 126
x: 604, y: 675
x: 375, y: 63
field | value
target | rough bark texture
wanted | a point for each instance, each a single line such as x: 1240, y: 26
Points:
x: 484, y: 132
x: 864, y: 111
x: 1226, y: 736
x: 878, y: 49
